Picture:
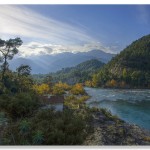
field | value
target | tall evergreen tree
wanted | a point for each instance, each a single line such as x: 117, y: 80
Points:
x: 8, y: 49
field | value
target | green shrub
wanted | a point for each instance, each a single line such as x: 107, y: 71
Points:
x: 23, y: 104
x: 19, y: 105
x: 4, y: 102
x: 47, y: 127
x: 106, y: 112
x: 3, y: 119
x: 24, y: 127
x: 74, y: 102
x: 109, y: 116
x: 38, y: 137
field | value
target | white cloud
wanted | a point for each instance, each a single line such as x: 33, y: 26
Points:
x: 53, y: 36
x: 17, y: 20
x: 35, y: 48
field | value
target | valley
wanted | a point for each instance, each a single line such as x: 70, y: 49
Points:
x: 74, y: 75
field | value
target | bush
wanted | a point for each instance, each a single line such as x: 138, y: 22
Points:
x: 74, y: 102
x: 112, y: 83
x: 88, y: 83
x: 41, y: 89
x: 19, y: 105
x: 109, y: 116
x: 3, y: 119
x: 147, y: 138
x: 63, y: 86
x: 71, y: 102
x: 83, y: 99
x: 4, y: 102
x: 48, y: 127
x: 58, y: 90
x: 77, y: 89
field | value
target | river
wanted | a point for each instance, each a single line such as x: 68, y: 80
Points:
x: 132, y: 105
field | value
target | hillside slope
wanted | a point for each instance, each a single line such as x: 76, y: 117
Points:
x: 79, y: 73
x: 130, y: 68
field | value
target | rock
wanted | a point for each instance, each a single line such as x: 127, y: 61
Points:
x: 101, y: 118
x: 115, y: 132
x: 95, y: 138
x: 110, y: 122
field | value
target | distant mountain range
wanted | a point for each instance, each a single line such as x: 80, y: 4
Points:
x: 52, y: 63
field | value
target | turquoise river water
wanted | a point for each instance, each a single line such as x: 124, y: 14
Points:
x: 131, y: 105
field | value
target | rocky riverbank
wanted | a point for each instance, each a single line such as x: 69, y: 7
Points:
x: 110, y: 130
x: 106, y: 129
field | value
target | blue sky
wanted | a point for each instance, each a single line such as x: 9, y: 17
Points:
x: 51, y: 29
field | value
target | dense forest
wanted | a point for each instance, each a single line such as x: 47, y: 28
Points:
x: 129, y: 69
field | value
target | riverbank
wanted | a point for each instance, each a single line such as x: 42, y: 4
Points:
x: 130, y: 105
x: 108, y: 129
x: 105, y: 128
x: 75, y: 124
x: 111, y: 130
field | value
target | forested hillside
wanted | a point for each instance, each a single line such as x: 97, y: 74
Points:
x: 79, y: 73
x: 130, y: 68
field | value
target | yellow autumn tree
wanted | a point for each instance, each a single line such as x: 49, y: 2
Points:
x: 60, y: 88
x: 122, y: 84
x: 56, y: 90
x: 42, y: 89
x: 111, y: 83
x: 63, y: 86
x: 88, y: 83
x: 77, y: 89
x: 95, y: 80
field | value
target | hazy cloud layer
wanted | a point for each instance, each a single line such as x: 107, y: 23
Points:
x: 35, y: 48
x: 47, y: 36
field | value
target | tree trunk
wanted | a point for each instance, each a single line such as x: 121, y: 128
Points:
x: 4, y: 69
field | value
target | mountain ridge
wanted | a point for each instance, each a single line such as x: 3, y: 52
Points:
x: 52, y: 63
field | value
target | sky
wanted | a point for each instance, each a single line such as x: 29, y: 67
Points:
x: 53, y: 29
